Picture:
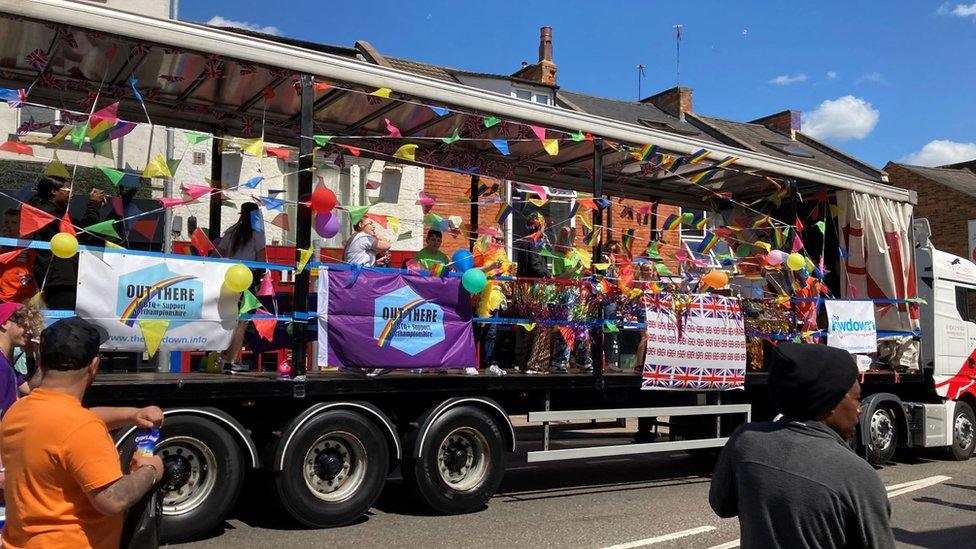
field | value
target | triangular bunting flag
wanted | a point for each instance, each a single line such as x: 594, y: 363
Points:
x: 32, y: 219
x: 490, y: 121
x: 501, y: 145
x: 17, y: 147
x: 157, y: 167
x: 201, y: 242
x: 106, y: 228
x: 304, y: 255
x: 56, y: 168
x: 249, y: 302
x: 145, y: 227
x: 265, y: 327
x: 65, y: 226
x: 551, y: 146
x: 153, y: 332
x: 168, y: 202
x: 267, y: 285
x: 381, y: 92
x: 406, y: 152
x: 539, y: 132
x: 356, y: 213
x: 322, y: 140
x: 253, y: 147
x: 281, y: 221
x: 112, y: 174
x: 195, y: 138
x: 454, y: 137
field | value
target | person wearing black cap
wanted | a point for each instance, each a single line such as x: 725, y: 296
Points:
x: 796, y: 482
x: 64, y: 484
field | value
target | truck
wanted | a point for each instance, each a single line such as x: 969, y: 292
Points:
x: 325, y: 441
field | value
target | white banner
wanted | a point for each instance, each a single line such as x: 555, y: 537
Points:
x: 118, y: 290
x: 323, y: 317
x: 852, y: 326
x: 696, y: 345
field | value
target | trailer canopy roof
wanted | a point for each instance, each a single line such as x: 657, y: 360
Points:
x: 200, y: 78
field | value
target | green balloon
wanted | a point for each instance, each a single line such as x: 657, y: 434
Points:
x: 474, y: 280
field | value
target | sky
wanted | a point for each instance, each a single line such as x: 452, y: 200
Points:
x: 890, y: 81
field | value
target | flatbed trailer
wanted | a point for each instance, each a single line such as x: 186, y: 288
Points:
x: 327, y: 440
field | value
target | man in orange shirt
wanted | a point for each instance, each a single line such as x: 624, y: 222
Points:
x: 64, y: 484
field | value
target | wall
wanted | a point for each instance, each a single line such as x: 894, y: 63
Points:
x: 947, y: 210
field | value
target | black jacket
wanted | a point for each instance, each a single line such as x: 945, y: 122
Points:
x: 62, y: 272
x: 798, y: 484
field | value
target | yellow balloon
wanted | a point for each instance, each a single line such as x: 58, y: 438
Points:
x: 796, y: 261
x: 238, y: 278
x: 64, y: 245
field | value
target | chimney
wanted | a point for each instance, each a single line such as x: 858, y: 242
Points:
x: 543, y: 72
x: 676, y: 101
x: 786, y: 122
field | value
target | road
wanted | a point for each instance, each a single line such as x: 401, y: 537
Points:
x: 657, y: 501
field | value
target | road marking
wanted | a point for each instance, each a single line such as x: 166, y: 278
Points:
x: 907, y: 487
x: 659, y: 539
x: 729, y: 545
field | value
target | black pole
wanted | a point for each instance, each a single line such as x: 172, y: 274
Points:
x: 303, y: 231
x: 216, y: 176
x: 596, y: 333
x: 475, y: 181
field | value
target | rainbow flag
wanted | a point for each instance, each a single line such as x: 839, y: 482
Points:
x: 678, y: 162
x: 504, y: 211
x: 645, y: 152
x: 628, y: 239
x: 673, y: 222
x: 591, y: 238
x: 665, y: 161
x: 702, y: 177
x: 728, y: 161
x: 107, y: 130
x: 707, y: 243
x: 698, y: 156
x: 699, y: 221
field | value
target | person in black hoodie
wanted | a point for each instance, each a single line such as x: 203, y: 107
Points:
x: 58, y: 277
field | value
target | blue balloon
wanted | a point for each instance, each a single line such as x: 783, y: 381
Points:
x: 462, y: 260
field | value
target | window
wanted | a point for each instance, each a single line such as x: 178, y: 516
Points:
x: 791, y: 149
x: 333, y: 178
x: 542, y: 97
x: 691, y: 238
x: 966, y: 303
x: 556, y: 211
x: 199, y: 158
x: 40, y: 118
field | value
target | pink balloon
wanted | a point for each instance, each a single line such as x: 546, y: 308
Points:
x: 326, y: 225
x: 776, y: 257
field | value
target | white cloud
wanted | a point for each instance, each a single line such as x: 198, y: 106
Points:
x: 219, y: 21
x: 875, y: 77
x: 785, y: 79
x: 960, y: 10
x: 843, y: 118
x: 941, y: 152
x: 831, y: 75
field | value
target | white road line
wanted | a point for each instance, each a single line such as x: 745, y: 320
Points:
x: 729, y: 545
x: 659, y: 539
x: 917, y: 485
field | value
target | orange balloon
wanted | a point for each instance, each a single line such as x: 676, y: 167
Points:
x: 715, y: 279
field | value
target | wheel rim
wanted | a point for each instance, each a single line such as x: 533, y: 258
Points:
x: 882, y: 430
x: 335, y: 466
x: 963, y: 432
x: 462, y: 459
x: 191, y: 473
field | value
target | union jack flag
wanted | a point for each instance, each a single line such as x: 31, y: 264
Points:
x: 212, y: 69
x: 89, y: 99
x: 278, y: 73
x: 138, y: 49
x: 247, y: 125
x: 65, y: 34
x: 247, y: 68
x: 49, y: 81
x: 37, y: 59
x: 30, y: 126
x: 152, y: 94
x: 172, y: 78
x: 373, y: 100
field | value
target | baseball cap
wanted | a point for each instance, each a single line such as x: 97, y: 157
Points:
x: 8, y: 309
x: 70, y: 344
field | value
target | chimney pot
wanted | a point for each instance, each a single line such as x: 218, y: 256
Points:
x: 675, y: 101
x: 786, y: 122
x: 545, y: 44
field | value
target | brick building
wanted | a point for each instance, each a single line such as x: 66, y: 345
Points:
x: 947, y: 198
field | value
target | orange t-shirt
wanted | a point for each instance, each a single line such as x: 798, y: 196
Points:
x: 55, y: 451
x: 17, y: 278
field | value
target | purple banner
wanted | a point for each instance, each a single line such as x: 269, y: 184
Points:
x: 384, y: 320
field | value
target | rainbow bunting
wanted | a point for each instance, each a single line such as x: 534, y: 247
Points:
x: 672, y: 223
x: 646, y: 152
x: 702, y: 177
x: 504, y: 210
x: 628, y: 239
x: 665, y: 161
x: 678, y: 162
x: 728, y: 161
x: 698, y: 156
x: 591, y: 238
x: 699, y: 221
x: 707, y: 243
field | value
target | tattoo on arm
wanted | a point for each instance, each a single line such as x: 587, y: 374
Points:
x: 124, y: 492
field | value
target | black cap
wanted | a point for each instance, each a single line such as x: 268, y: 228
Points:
x: 70, y: 344
x: 807, y: 380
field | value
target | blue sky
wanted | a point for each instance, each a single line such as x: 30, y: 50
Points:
x: 882, y: 81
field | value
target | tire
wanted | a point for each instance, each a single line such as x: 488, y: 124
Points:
x: 963, y: 432
x: 882, y: 436
x: 464, y: 480
x: 334, y: 469
x: 204, y: 474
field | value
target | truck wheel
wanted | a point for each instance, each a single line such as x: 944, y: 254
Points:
x: 334, y: 469
x: 882, y: 436
x: 460, y: 464
x: 963, y: 435
x: 204, y: 474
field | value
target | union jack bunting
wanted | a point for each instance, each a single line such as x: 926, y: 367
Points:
x: 246, y: 69
x: 65, y: 35
x: 373, y: 100
x: 172, y: 78
x: 37, y: 59
x: 278, y: 73
x: 138, y: 49
x: 703, y: 349
x: 48, y: 80
x: 247, y: 125
x: 212, y: 69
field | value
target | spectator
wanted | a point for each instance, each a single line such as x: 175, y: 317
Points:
x: 532, y: 348
x: 17, y: 324
x: 431, y: 252
x: 16, y: 275
x: 241, y: 241
x: 796, y: 482
x: 363, y: 246
x: 59, y: 277
x: 64, y: 486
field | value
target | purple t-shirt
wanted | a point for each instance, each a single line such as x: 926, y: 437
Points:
x: 10, y: 379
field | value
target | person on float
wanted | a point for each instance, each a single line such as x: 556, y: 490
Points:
x: 364, y: 245
x: 532, y: 348
x: 491, y: 258
x: 568, y: 265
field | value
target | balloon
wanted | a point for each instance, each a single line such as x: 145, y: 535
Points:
x: 238, y: 278
x: 64, y: 245
x: 462, y: 260
x: 284, y: 369
x: 776, y: 257
x: 323, y: 200
x: 795, y: 261
x: 326, y: 225
x: 715, y: 279
x: 474, y: 280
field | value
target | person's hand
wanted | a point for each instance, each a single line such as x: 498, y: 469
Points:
x: 98, y: 196
x: 148, y: 417
x: 142, y: 461
x: 496, y: 264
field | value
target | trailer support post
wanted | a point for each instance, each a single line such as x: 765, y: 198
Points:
x: 473, y: 233
x: 216, y: 178
x: 303, y: 231
x: 596, y: 332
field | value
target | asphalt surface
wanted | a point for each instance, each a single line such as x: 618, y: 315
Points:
x: 657, y: 500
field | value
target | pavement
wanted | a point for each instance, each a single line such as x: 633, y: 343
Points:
x: 654, y: 500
